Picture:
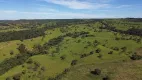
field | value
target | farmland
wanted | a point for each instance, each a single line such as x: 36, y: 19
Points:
x: 72, y: 49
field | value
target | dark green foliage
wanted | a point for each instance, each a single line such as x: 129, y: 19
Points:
x: 65, y: 71
x: 115, y: 48
x: 135, y: 56
x: 83, y: 55
x: 43, y: 68
x: 11, y: 52
x: 124, y: 49
x: 98, y: 50
x: 22, y: 48
x: 106, y: 78
x: 92, y: 52
x: 20, y: 35
x: 96, y: 72
x: 62, y: 57
x: 74, y: 62
x: 77, y: 34
x: 53, y: 42
x: 17, y: 76
x: 96, y: 43
x: 38, y: 48
x: 19, y: 59
x: 111, y: 52
x: 8, y: 78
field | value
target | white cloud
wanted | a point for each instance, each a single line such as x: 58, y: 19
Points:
x: 76, y: 4
x: 8, y: 11
x: 47, y: 9
x: 122, y: 6
x: 49, y: 15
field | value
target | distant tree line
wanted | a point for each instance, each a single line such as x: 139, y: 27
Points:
x: 131, y: 31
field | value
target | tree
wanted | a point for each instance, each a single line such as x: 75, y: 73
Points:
x: 124, y: 49
x: 17, y: 76
x: 11, y: 52
x: 92, y: 52
x: 74, y: 62
x: 111, y: 52
x: 106, y: 78
x: 98, y: 50
x: 96, y: 43
x: 22, y: 48
x: 62, y: 57
x: 135, y: 56
x: 38, y: 48
x: 8, y: 78
x: 96, y: 72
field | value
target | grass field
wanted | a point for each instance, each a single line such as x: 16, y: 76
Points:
x: 118, y: 65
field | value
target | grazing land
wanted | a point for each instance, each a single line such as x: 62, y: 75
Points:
x: 71, y: 49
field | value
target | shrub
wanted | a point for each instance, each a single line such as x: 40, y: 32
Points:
x: 74, y: 62
x: 83, y: 55
x: 124, y: 49
x: 11, y: 52
x: 98, y: 50
x: 116, y: 48
x: 92, y: 52
x: 106, y: 78
x: 96, y: 72
x: 17, y: 77
x: 22, y: 48
x: 111, y: 52
x: 62, y: 57
x: 136, y: 57
x: 43, y: 68
x: 8, y: 78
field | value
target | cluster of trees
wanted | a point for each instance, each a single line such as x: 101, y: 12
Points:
x: 85, y: 55
x: 53, y: 42
x: 20, y: 35
x: 34, y: 32
x: 131, y: 31
x: 77, y: 34
x: 7, y: 64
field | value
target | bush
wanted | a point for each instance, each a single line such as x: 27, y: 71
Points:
x: 43, y: 68
x: 65, y: 71
x: 17, y: 77
x: 136, y: 57
x: 22, y: 48
x: 116, y: 48
x: 106, y: 78
x: 96, y: 72
x: 92, y: 52
x: 83, y: 55
x: 74, y: 62
x: 11, y: 52
x: 8, y: 78
x: 98, y: 50
x: 111, y: 52
x: 62, y: 57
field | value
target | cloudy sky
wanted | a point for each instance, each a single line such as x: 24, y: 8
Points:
x: 68, y: 9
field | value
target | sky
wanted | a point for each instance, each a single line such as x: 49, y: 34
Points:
x: 69, y: 9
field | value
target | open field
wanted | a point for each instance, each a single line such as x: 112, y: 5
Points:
x: 70, y: 50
